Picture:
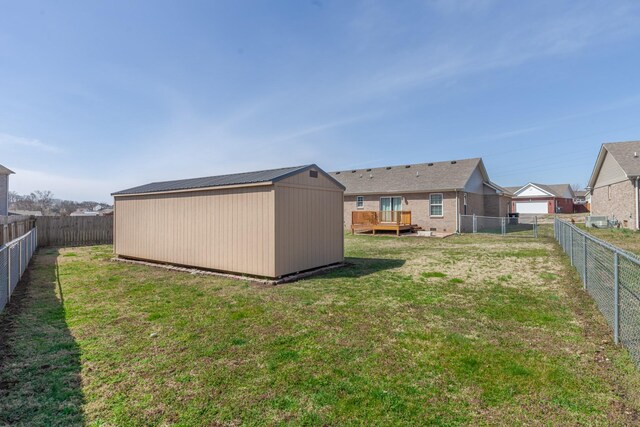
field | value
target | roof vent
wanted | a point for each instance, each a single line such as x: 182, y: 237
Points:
x: 360, y: 175
x: 370, y: 175
x: 388, y: 167
x: 353, y: 171
x: 429, y: 164
x: 368, y: 170
x: 635, y: 154
x: 453, y: 162
x: 408, y: 166
x: 337, y: 173
x: 417, y: 173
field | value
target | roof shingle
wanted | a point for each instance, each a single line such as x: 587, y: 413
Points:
x: 450, y: 175
x: 215, y: 181
x: 627, y: 154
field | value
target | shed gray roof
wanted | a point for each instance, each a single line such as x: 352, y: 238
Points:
x: 5, y: 171
x: 558, y: 190
x: 244, y: 178
x: 450, y: 175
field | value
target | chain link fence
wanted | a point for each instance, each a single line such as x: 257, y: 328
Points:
x: 611, y: 276
x: 14, y: 258
x: 526, y: 226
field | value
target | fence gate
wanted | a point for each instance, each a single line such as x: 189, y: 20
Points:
x: 523, y: 227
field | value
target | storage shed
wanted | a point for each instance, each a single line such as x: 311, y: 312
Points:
x: 268, y: 223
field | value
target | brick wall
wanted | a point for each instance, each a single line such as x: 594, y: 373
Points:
x: 417, y: 203
x: 495, y: 205
x: 615, y: 200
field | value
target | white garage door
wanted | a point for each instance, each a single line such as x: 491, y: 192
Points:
x: 532, y: 207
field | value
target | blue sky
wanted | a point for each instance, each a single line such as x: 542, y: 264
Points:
x: 102, y: 95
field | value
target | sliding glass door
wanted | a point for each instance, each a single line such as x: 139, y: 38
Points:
x: 389, y: 205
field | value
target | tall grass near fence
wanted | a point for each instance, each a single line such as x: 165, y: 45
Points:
x: 14, y: 258
x: 611, y: 276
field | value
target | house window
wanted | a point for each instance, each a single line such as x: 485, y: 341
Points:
x: 360, y: 202
x: 435, y: 205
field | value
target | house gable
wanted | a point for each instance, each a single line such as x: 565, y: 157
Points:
x: 531, y: 190
x: 609, y: 171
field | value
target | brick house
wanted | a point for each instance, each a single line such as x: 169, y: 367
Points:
x: 435, y: 193
x: 542, y: 199
x: 4, y: 190
x: 614, y: 183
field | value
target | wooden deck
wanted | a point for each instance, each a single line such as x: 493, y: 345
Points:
x: 372, y: 221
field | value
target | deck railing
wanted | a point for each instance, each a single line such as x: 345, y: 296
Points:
x: 381, y: 217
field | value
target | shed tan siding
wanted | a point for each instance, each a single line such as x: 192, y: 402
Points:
x: 228, y: 230
x: 309, y: 220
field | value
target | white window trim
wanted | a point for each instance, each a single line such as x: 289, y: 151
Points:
x: 441, y: 205
x: 360, y: 207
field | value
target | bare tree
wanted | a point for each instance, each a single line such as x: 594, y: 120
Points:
x: 576, y: 187
x: 42, y: 200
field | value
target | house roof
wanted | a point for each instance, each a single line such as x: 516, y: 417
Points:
x: 245, y: 178
x: 556, y: 190
x: 436, y: 176
x: 626, y: 154
x: 581, y: 193
x: 5, y: 171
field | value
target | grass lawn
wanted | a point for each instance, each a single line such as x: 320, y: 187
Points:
x: 623, y: 238
x: 468, y: 330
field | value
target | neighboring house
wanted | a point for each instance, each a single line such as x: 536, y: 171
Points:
x: 614, y: 183
x: 84, y: 212
x: 581, y: 201
x: 541, y: 199
x: 4, y: 190
x: 435, y: 193
x: 25, y: 212
x: 267, y: 223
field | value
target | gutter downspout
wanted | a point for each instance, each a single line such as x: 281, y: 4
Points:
x: 637, y: 224
x: 458, y: 212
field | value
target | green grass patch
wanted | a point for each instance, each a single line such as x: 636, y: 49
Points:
x: 496, y: 341
x: 430, y: 274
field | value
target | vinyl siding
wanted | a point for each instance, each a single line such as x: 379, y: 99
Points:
x: 4, y: 194
x: 227, y: 230
x: 610, y: 172
x: 308, y: 221
x: 271, y: 230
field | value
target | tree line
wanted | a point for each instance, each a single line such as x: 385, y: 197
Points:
x: 44, y: 201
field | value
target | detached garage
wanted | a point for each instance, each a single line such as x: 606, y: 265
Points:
x: 268, y: 223
x: 542, y: 199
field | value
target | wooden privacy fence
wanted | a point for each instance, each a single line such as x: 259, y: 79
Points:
x: 14, y: 226
x: 74, y: 230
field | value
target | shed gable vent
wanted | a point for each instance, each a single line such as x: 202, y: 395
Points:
x: 313, y: 174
